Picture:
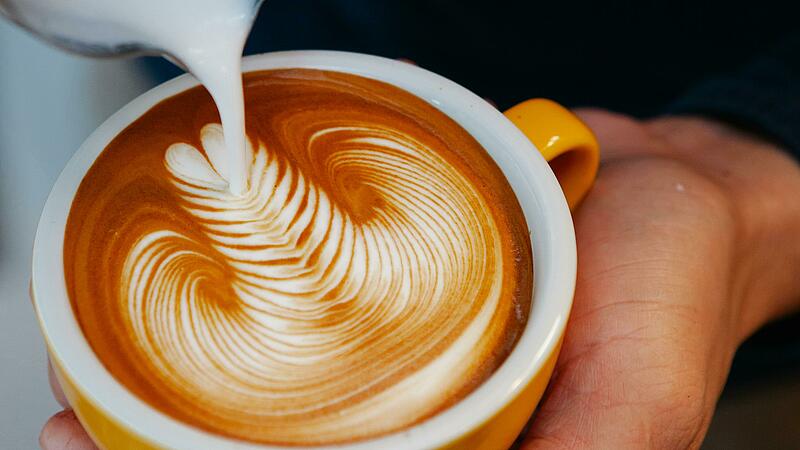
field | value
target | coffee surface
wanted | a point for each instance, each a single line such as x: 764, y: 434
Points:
x: 377, y: 269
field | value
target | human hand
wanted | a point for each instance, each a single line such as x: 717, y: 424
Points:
x: 682, y: 255
x: 63, y: 431
x: 686, y: 245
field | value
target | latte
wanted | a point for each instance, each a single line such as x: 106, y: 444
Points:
x: 376, y: 270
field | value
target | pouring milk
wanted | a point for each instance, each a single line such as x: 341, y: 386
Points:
x: 206, y: 36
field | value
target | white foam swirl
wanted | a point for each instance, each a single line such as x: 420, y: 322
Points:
x: 323, y: 299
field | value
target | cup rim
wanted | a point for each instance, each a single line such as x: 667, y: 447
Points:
x: 536, y: 188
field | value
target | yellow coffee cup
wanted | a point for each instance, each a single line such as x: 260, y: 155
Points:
x: 490, y: 417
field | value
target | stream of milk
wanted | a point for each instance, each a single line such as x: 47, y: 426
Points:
x: 206, y: 36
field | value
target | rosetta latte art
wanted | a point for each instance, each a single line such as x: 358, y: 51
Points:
x: 356, y: 288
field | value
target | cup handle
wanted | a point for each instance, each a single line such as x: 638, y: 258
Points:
x: 565, y: 142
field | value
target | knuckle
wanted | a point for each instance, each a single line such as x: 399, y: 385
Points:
x: 668, y: 184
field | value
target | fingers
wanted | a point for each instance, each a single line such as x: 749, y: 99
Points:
x: 64, y: 432
x: 618, y: 135
x: 55, y: 386
x: 652, y: 328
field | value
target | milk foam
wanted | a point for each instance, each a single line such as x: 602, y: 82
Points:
x: 207, y: 36
x: 297, y: 258
x: 371, y: 275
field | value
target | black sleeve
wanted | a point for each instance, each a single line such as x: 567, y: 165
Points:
x: 764, y: 96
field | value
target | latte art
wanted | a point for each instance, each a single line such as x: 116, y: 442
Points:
x: 372, y: 275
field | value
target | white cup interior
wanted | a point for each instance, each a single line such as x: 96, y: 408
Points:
x: 546, y: 212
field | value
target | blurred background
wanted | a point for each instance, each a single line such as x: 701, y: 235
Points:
x: 50, y: 102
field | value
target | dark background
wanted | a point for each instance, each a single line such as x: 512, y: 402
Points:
x: 629, y: 56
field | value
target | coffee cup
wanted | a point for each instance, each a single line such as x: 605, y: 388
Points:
x: 520, y: 142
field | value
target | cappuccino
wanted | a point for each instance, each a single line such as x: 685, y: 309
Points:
x: 376, y: 270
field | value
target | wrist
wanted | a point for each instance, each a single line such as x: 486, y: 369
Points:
x: 762, y: 185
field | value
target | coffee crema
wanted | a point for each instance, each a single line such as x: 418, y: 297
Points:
x: 377, y: 270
